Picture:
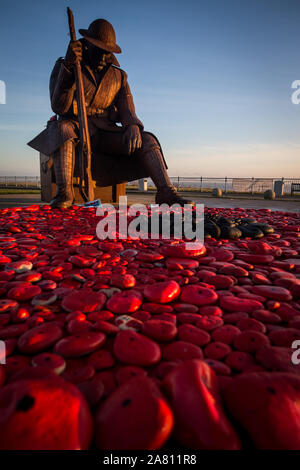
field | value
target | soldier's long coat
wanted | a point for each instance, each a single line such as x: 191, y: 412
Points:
x: 109, y: 99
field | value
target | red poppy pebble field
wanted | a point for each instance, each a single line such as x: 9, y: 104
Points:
x: 143, y: 344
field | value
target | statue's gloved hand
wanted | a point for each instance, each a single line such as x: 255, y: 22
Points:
x: 73, y: 54
x: 132, y: 138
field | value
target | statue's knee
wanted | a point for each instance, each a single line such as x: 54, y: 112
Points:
x: 68, y: 130
x: 149, y: 141
x: 66, y: 125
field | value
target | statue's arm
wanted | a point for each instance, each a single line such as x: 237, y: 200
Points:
x: 125, y: 105
x: 62, y: 87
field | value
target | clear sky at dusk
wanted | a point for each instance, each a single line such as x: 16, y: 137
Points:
x: 212, y: 79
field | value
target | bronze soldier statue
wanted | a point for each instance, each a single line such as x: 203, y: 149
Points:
x: 132, y: 152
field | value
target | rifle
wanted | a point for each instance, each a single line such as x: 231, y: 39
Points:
x: 87, y: 192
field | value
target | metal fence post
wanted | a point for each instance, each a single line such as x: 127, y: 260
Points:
x: 201, y: 184
x: 225, y: 189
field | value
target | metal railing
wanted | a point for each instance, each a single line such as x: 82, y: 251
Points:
x: 20, y: 182
x: 193, y: 183
x: 227, y: 185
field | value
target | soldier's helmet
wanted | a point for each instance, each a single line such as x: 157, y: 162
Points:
x: 102, y: 34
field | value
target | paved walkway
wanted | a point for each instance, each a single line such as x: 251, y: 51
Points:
x: 13, y: 200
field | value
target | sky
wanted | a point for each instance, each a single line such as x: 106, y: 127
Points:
x: 211, y: 79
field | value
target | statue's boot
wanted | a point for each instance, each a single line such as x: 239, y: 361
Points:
x: 63, y: 161
x: 166, y: 193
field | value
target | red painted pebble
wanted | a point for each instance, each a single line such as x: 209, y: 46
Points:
x: 15, y: 363
x: 200, y: 421
x: 4, y: 319
x: 80, y: 344
x: 141, y: 315
x: 149, y: 256
x: 47, y: 285
x: 126, y: 373
x: 217, y: 350
x: 265, y: 316
x: 108, y: 379
x: 29, y: 373
x: 218, y: 367
x: 225, y: 333
x: 273, y: 292
x: 233, y: 270
x: 92, y: 390
x: 250, y: 341
x: 211, y: 310
x: 2, y: 375
x: 20, y: 315
x: 194, y: 335
x: 77, y: 375
x: 29, y: 277
x: 81, y: 261
x: 157, y: 308
x: 48, y: 414
x: 123, y: 281
x: 284, y: 337
x: 107, y: 328
x: 239, y: 361
x: 125, y: 302
x: 13, y: 331
x: 234, y: 317
x: 182, y: 307
x: 181, y: 350
x: 220, y: 281
x: 159, y: 330
x: 7, y: 304
x: 277, y: 359
x: 190, y: 318
x: 23, y: 293
x: 85, y: 300
x: 135, y: 416
x: 104, y: 315
x: 198, y: 295
x: 209, y: 323
x: 4, y: 260
x: 222, y: 254
x: 181, y: 263
x: 101, y: 359
x: 256, y: 259
x: 162, y: 292
x: 134, y: 348
x: 39, y: 338
x: 78, y: 326
x: 50, y: 361
x: 236, y: 304
x: 181, y: 250
x: 272, y: 420
x: 251, y: 324
x: 286, y: 312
